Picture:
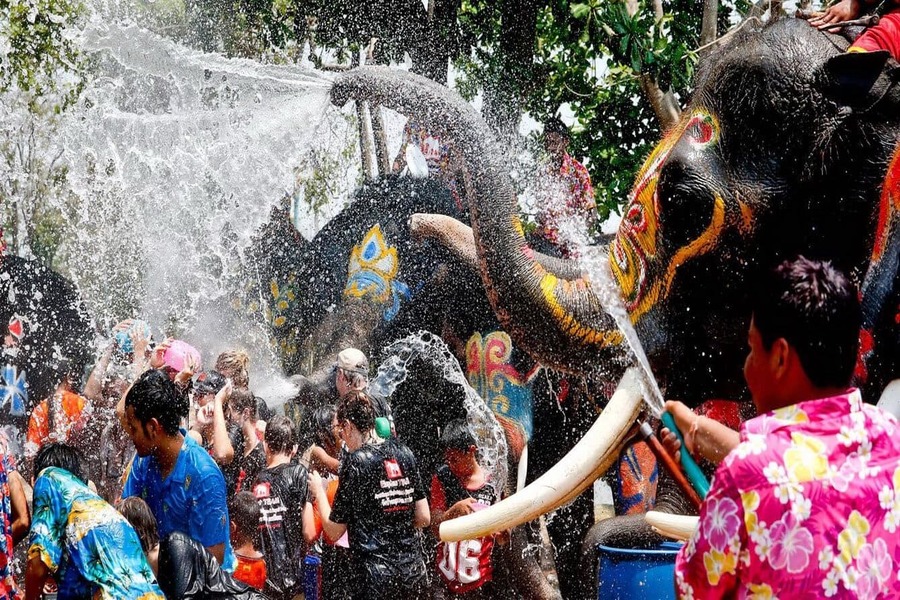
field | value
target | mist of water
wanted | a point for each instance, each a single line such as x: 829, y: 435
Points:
x: 492, y: 448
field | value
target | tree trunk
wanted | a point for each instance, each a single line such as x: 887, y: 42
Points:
x: 516, y: 48
x: 708, y: 29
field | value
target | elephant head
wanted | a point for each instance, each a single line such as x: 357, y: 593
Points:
x: 782, y: 149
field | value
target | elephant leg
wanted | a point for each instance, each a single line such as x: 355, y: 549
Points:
x: 567, y: 527
x: 520, y: 558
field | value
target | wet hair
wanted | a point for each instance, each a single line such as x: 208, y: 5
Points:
x: 355, y: 379
x: 235, y: 363
x: 243, y: 399
x: 556, y: 125
x: 61, y: 456
x: 262, y: 409
x: 153, y: 396
x: 243, y: 509
x: 141, y: 518
x: 322, y: 418
x: 356, y: 407
x: 458, y: 436
x: 815, y: 308
x: 280, y: 434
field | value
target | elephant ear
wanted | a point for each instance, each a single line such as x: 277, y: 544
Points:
x: 850, y: 79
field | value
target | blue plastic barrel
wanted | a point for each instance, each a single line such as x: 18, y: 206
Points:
x: 634, y: 574
x: 312, y: 577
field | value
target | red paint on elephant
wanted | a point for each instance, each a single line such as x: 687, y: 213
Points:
x: 888, y: 207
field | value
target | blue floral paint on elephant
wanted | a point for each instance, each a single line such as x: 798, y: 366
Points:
x: 372, y: 273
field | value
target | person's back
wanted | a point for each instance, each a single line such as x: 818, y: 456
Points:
x: 281, y: 490
x: 91, y: 549
x: 378, y: 488
x: 807, y: 504
x: 826, y: 511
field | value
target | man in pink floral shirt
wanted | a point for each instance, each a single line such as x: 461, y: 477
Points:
x: 571, y: 194
x: 808, y: 504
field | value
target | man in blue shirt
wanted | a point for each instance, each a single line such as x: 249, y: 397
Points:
x: 176, y: 477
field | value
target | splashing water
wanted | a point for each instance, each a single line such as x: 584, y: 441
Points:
x: 595, y: 263
x: 492, y: 449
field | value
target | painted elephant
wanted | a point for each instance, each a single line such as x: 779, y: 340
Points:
x: 787, y: 146
x: 364, y: 281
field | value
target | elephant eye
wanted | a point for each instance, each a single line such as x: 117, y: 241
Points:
x: 686, y: 204
x: 700, y: 130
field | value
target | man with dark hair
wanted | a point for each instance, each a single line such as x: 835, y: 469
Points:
x: 91, y: 549
x: 281, y: 490
x: 459, y: 487
x: 569, y: 194
x: 808, y: 503
x: 171, y: 472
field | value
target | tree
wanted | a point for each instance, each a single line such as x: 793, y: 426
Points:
x: 40, y: 76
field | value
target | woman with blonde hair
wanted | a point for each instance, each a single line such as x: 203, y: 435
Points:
x: 235, y: 365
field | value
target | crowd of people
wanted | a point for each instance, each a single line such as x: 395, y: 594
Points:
x: 154, y: 478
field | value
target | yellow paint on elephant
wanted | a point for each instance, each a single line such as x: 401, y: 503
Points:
x: 705, y: 242
x: 549, y: 284
x: 746, y: 225
x: 373, y: 266
x: 640, y: 272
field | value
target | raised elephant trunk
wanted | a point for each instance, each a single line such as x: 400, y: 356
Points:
x: 557, y: 319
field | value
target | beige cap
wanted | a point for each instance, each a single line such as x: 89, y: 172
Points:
x: 353, y: 361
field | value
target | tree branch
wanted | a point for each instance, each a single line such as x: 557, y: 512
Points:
x: 708, y: 28
x: 664, y: 104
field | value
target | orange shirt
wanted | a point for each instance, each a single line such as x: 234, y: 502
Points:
x: 39, y: 426
x: 251, y: 571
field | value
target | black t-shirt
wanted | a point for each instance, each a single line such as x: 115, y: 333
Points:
x: 251, y: 465
x: 282, y: 494
x: 379, y: 487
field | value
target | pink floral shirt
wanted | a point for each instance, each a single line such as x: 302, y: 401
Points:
x: 807, y: 506
x: 575, y: 186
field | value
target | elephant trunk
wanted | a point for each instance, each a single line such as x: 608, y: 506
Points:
x: 589, y: 459
x: 558, y: 320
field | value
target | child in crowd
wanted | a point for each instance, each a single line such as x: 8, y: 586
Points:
x: 185, y: 569
x: 281, y: 489
x: 248, y: 450
x: 251, y: 565
x: 459, y: 487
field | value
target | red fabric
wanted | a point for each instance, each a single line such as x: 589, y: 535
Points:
x: 438, y: 500
x: 884, y: 36
x: 251, y: 571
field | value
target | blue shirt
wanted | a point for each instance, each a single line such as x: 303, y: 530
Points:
x: 191, y: 499
x: 92, y: 550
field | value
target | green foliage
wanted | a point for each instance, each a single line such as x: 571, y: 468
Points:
x: 38, y: 55
x: 591, y: 57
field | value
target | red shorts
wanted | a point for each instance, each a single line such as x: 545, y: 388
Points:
x: 884, y: 36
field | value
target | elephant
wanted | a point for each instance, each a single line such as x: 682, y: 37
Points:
x: 363, y: 281
x: 788, y: 146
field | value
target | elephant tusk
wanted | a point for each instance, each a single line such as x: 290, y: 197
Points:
x: 677, y: 527
x: 589, y: 459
